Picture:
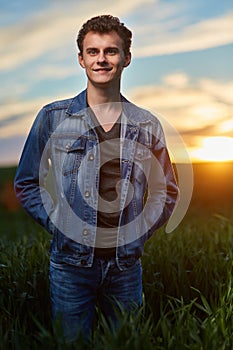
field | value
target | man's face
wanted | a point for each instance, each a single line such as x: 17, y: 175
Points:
x: 103, y: 58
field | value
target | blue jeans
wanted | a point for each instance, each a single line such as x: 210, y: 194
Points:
x: 76, y: 291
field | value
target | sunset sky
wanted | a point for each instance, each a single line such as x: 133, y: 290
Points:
x: 181, y: 68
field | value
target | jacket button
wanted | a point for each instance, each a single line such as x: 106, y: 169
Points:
x: 91, y: 156
x: 140, y: 155
x: 85, y: 232
x: 83, y: 262
x: 87, y: 194
x: 68, y: 146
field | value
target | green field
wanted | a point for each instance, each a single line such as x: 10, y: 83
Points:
x: 188, y: 283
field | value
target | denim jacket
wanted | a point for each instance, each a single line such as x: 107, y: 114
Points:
x: 63, y: 139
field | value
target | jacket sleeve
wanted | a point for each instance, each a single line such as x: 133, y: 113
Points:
x: 163, y: 192
x: 32, y: 172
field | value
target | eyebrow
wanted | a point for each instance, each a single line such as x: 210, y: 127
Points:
x: 109, y: 47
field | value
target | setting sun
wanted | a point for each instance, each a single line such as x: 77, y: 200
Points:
x: 215, y: 149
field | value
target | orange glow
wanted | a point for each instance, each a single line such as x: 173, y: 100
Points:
x: 215, y: 149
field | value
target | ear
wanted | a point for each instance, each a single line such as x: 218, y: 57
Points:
x: 127, y: 59
x: 80, y: 59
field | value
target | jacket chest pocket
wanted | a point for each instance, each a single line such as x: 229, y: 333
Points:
x: 142, y: 153
x: 142, y: 163
x: 68, y: 153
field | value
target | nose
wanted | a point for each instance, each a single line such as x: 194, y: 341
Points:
x: 101, y: 57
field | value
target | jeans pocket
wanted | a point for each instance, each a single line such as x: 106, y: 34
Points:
x: 57, y: 265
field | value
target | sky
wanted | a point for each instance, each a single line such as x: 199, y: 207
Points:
x: 181, y: 68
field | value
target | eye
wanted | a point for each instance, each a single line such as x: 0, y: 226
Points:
x: 92, y: 51
x: 111, y: 51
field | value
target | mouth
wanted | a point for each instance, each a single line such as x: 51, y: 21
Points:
x: 102, y: 69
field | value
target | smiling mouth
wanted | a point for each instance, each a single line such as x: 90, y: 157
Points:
x: 102, y: 69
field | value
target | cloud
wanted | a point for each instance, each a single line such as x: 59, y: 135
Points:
x: 33, y: 39
x: 178, y: 80
x: 41, y: 47
x: 53, y: 30
x: 191, y: 108
x: 54, y: 72
x: 221, y: 90
x: 195, y: 110
x: 226, y: 127
x: 201, y: 35
x: 16, y: 117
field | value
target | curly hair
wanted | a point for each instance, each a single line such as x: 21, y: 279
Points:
x: 105, y: 24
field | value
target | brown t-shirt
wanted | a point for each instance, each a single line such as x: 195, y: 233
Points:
x: 109, y: 189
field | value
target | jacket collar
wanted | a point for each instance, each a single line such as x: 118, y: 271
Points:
x: 134, y: 114
x: 78, y: 104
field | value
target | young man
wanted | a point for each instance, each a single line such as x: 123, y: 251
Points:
x: 114, y: 184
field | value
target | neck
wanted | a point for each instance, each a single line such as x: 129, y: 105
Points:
x: 101, y: 95
x: 106, y: 104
